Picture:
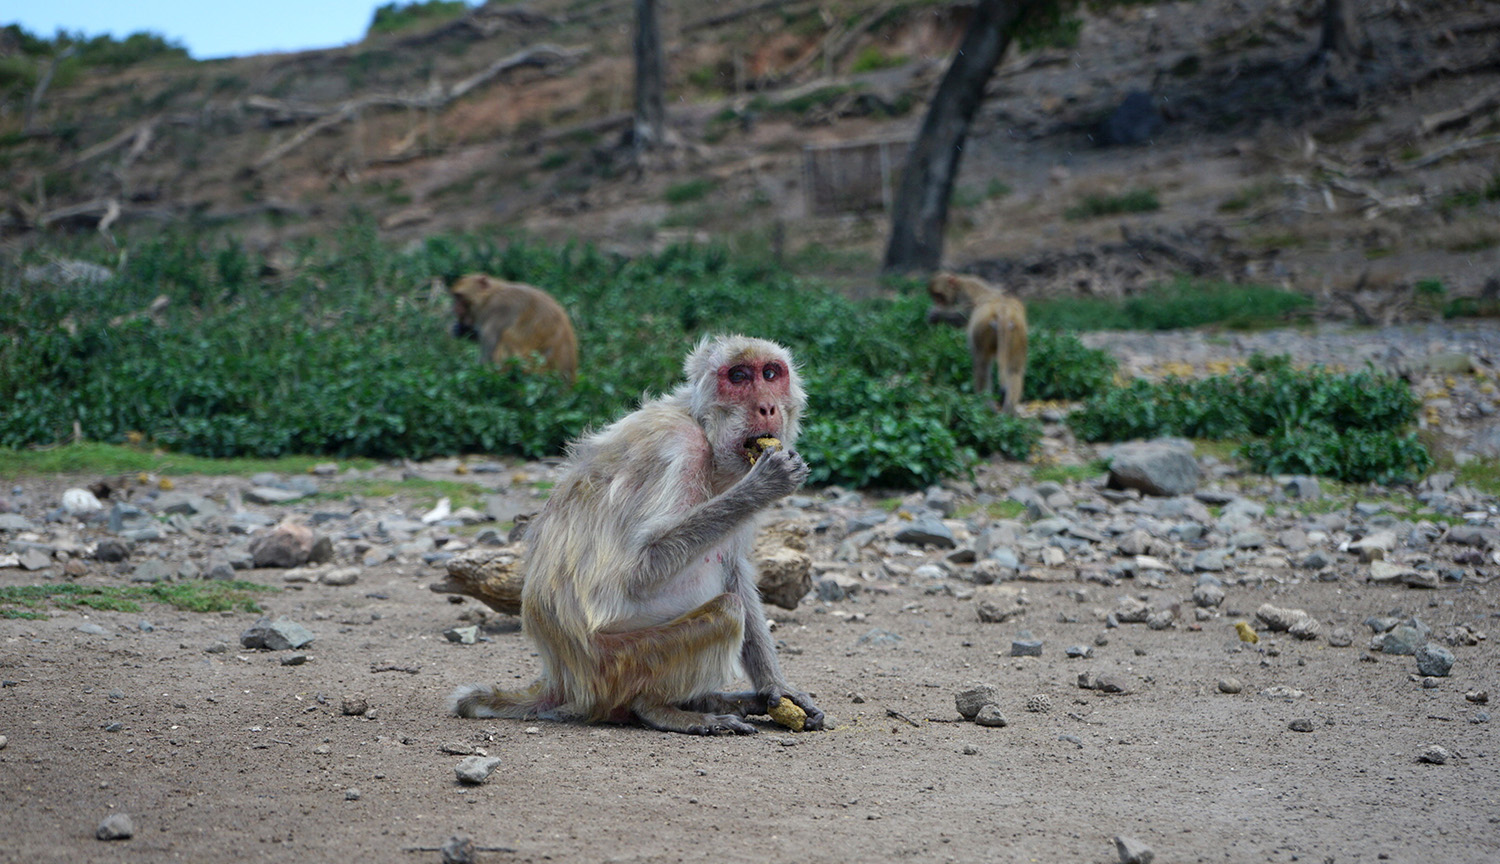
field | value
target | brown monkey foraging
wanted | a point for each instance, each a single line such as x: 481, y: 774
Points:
x: 512, y: 319
x: 997, y: 330
x: 639, y: 593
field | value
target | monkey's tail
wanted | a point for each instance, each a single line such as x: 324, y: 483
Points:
x: 478, y: 700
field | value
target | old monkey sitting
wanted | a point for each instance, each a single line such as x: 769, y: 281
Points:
x: 997, y: 330
x: 639, y: 593
x: 511, y: 319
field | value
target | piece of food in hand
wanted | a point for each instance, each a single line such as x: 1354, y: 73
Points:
x: 788, y: 713
x: 764, y: 444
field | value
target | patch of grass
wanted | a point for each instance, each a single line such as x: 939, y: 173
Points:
x: 689, y: 191
x: 1483, y: 474
x: 1247, y: 197
x: 555, y: 160
x: 1068, y: 473
x: 395, y: 17
x: 968, y: 196
x: 192, y: 596
x: 872, y: 58
x: 1131, y: 201
x: 90, y: 457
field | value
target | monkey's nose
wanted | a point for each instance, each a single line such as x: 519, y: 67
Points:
x: 768, y: 409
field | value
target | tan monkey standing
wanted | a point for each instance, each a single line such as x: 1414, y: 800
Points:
x: 997, y: 331
x: 512, y: 319
x: 639, y: 592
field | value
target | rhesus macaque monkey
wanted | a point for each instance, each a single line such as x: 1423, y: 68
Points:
x: 997, y: 330
x: 639, y: 592
x: 512, y: 319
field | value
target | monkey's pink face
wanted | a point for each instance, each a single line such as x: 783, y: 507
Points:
x: 761, y: 388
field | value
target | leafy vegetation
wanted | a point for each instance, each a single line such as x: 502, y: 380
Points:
x: 73, y: 52
x: 1349, y: 427
x: 25, y: 601
x: 347, y: 354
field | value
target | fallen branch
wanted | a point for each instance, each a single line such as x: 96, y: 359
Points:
x: 327, y: 117
x: 1461, y: 115
x: 1452, y: 149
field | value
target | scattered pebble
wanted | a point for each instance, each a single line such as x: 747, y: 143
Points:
x: 1133, y: 851
x: 117, y: 826
x: 351, y: 794
x: 970, y: 750
x: 1230, y: 684
x: 974, y: 696
x: 990, y: 715
x: 354, y: 706
x: 1435, y: 660
x: 1038, y: 703
x: 1434, y: 755
x: 1301, y: 724
x: 476, y: 769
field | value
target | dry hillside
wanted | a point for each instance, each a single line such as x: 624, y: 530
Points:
x: 1377, y: 173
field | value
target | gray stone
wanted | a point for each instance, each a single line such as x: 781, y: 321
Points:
x: 1469, y: 535
x: 91, y: 629
x: 1136, y: 120
x: 974, y: 696
x: 219, y: 568
x: 462, y: 635
x: 476, y: 769
x: 1402, y: 641
x: 991, y: 612
x: 1084, y: 651
x: 1159, y: 467
x: 1208, y: 596
x: 1302, y: 488
x: 287, y: 545
x: 1230, y: 684
x: 116, y: 826
x: 279, y: 635
x: 1434, y: 754
x: 1212, y: 559
x: 1434, y: 660
x: 1340, y: 638
x: 1301, y: 724
x: 35, y: 559
x: 80, y: 502
x: 926, y: 531
x: 1026, y: 647
x: 989, y: 715
x: 153, y: 571
x: 1133, y: 851
x: 1315, y: 560
x: 877, y: 636
x: 340, y: 577
x: 15, y: 522
x: 270, y: 495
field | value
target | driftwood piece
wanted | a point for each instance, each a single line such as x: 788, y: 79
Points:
x: 1481, y: 104
x: 494, y: 577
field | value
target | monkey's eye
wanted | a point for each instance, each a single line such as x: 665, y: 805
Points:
x: 770, y: 372
x: 740, y: 374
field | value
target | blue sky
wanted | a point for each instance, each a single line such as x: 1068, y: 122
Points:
x: 208, y: 28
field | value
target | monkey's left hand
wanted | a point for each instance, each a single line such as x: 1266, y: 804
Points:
x: 773, y: 693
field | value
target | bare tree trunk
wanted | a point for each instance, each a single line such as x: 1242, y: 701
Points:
x: 650, y: 110
x: 1342, y: 34
x: 920, y: 213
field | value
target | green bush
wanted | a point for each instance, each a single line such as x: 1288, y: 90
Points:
x: 1132, y: 201
x: 347, y: 354
x: 394, y: 17
x: 1295, y: 421
x: 1183, y: 303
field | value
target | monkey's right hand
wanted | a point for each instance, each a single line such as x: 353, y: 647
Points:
x: 776, y: 474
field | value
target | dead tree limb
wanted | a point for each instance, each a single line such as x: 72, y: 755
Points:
x: 1453, y: 149
x: 1441, y: 120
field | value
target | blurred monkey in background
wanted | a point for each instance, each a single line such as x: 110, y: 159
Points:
x: 997, y: 331
x: 511, y: 319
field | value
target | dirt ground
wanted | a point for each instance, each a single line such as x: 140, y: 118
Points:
x: 235, y: 756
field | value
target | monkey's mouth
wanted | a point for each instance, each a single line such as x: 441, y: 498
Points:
x: 759, y: 445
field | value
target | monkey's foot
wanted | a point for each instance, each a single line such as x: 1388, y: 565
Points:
x: 670, y: 719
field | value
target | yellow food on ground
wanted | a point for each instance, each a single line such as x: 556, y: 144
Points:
x: 165, y: 484
x: 789, y: 714
x: 1247, y: 633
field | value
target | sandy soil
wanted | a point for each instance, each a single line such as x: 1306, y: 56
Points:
x: 235, y: 756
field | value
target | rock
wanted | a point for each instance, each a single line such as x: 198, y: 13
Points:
x: 117, y: 826
x: 1110, y: 684
x: 1212, y: 559
x: 1301, y: 724
x: 153, y: 571
x: 1279, y: 620
x: 879, y: 636
x: 926, y: 531
x: 279, y: 635
x: 80, y: 502
x: 34, y: 559
x: 1161, y: 620
x: 1208, y: 596
x: 1079, y: 651
x: 458, y: 849
x: 1302, y: 488
x: 1230, y: 684
x: 289, y: 544
x: 785, y: 576
x: 1039, y: 704
x: 91, y: 629
x: 1340, y: 638
x: 1026, y: 647
x: 1374, y: 547
x: 1306, y: 629
x: 110, y: 550
x: 1163, y: 467
x: 476, y: 769
x: 341, y: 577
x: 351, y: 794
x: 1402, y: 641
x: 1433, y: 754
x: 973, y: 697
x: 1434, y: 660
x: 354, y: 706
x: 1133, y: 851
x: 990, y: 715
x: 1131, y: 610
x: 270, y: 495
x: 219, y: 568
x: 462, y: 635
x: 1000, y: 566
x: 991, y: 612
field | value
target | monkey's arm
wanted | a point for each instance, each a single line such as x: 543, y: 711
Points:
x: 758, y: 652
x: 666, y: 549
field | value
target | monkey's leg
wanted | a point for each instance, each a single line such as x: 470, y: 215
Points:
x: 658, y: 670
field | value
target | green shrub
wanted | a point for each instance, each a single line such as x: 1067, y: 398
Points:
x: 1343, y: 426
x: 1183, y: 303
x: 689, y: 191
x: 347, y: 354
x: 393, y: 17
